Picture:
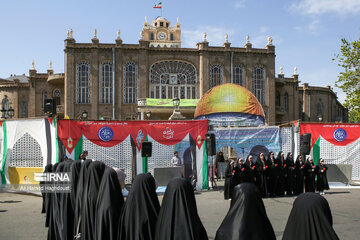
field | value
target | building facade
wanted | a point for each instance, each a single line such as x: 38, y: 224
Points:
x: 114, y: 81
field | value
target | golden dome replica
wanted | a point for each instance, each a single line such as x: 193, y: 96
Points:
x: 230, y: 105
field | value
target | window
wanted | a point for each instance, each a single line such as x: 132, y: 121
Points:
x: 161, y: 24
x: 286, y: 101
x: 239, y: 75
x: 216, y: 75
x: 319, y: 107
x: 151, y: 36
x: 106, y: 83
x: 169, y: 79
x: 56, y: 96
x: 277, y: 99
x: 83, y: 83
x: 24, y: 109
x: 130, y: 82
x: 44, y: 95
x: 171, y: 37
x: 259, y: 83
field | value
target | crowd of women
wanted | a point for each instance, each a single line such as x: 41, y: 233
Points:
x: 277, y: 176
x: 95, y: 209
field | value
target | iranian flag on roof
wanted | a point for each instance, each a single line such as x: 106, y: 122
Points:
x: 158, y: 5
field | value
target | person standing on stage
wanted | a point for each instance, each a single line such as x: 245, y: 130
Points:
x: 289, y: 169
x: 230, y: 179
x: 272, y: 174
x: 260, y: 174
x: 251, y: 169
x: 310, y: 175
x: 321, y: 182
x: 280, y: 171
x: 299, y: 174
x: 175, y: 161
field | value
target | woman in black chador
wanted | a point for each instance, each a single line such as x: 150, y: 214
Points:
x: 310, y: 175
x: 321, y: 181
x: 272, y: 174
x: 246, y: 218
x: 108, y: 207
x: 289, y: 169
x: 260, y: 174
x: 140, y: 212
x: 230, y: 179
x: 241, y: 171
x: 46, y: 197
x: 250, y: 176
x: 91, y: 190
x: 299, y: 174
x: 178, y: 217
x: 280, y: 171
x: 310, y: 218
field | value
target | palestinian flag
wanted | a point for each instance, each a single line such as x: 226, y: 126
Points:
x: 158, y: 5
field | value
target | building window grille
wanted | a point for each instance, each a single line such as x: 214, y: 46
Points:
x: 130, y: 82
x: 56, y: 96
x: 216, y: 75
x: 170, y: 79
x: 106, y: 83
x: 286, y: 101
x: 239, y: 75
x: 277, y: 99
x: 259, y: 83
x: 83, y: 83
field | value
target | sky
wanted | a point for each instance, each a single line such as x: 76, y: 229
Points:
x: 306, y: 33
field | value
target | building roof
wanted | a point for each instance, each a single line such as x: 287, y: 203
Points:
x: 22, y: 78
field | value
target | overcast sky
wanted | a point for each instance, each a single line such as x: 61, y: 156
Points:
x: 306, y: 33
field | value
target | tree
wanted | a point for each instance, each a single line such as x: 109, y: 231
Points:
x: 349, y: 78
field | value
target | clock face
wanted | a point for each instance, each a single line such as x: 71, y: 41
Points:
x: 162, y: 36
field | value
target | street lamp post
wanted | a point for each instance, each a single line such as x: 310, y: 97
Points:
x: 176, y: 115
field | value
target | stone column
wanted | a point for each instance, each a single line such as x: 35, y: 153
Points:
x: 94, y: 81
x: 143, y: 70
x: 204, y: 74
x: 69, y: 81
x: 118, y: 81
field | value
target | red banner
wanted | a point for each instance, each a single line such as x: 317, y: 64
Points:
x: 109, y: 134
x: 338, y: 134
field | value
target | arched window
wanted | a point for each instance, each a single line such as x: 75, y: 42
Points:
x: 259, y: 83
x: 83, y: 83
x: 169, y: 79
x: 216, y: 75
x: 106, y: 83
x: 56, y: 96
x: 130, y: 82
x: 239, y: 75
x: 24, y: 109
x: 151, y: 36
x: 319, y: 108
x: 171, y: 37
x: 286, y: 101
x: 277, y: 99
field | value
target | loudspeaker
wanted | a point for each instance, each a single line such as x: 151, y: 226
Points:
x: 305, y: 143
x: 210, y: 144
x: 49, y: 106
x: 146, y: 149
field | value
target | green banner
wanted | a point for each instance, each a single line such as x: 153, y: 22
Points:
x: 154, y: 102
x: 205, y: 167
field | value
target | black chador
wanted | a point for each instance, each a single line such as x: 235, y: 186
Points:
x: 289, y: 169
x: 272, y: 174
x: 310, y: 218
x: 321, y: 181
x: 46, y: 197
x: 241, y: 170
x: 178, y: 217
x: 141, y: 209
x: 250, y: 175
x: 108, y: 207
x: 88, y: 208
x: 260, y: 174
x: 279, y: 166
x: 230, y: 179
x: 246, y: 218
x: 299, y: 174
x: 310, y: 176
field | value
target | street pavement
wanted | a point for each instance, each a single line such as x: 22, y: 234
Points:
x: 20, y: 216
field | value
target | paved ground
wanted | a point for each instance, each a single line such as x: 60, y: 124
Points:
x: 20, y: 216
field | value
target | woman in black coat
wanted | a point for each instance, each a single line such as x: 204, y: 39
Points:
x: 289, y: 169
x: 281, y: 173
x: 321, y: 181
x: 246, y: 218
x: 299, y: 174
x: 310, y: 175
x: 250, y: 175
x: 178, y: 216
x: 230, y: 179
x: 310, y: 218
x: 272, y: 174
x: 260, y: 174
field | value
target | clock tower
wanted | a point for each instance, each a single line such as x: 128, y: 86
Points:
x: 160, y: 34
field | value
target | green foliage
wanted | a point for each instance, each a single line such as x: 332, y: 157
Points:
x: 349, y: 78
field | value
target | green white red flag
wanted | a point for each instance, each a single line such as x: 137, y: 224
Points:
x: 159, y: 5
